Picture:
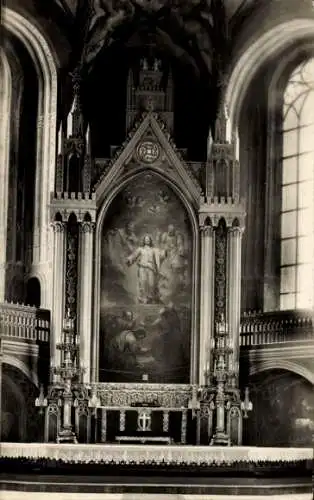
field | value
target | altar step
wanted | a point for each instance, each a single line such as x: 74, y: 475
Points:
x: 154, y: 469
x: 184, y: 485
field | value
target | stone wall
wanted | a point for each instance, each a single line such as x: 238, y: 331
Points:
x: 283, y: 410
x: 20, y: 418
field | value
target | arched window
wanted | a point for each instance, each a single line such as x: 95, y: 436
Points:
x: 33, y: 292
x: 297, y: 203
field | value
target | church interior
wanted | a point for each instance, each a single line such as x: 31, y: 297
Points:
x: 157, y: 254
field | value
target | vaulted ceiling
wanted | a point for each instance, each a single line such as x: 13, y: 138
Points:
x: 170, y: 21
x: 195, y: 35
x: 102, y: 37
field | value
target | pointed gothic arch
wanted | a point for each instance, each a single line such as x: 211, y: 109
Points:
x: 20, y: 365
x: 33, y: 295
x: 275, y: 96
x: 255, y: 55
x: 11, y: 99
x: 283, y: 364
x: 19, y: 412
x: 184, y: 197
x: 5, y: 129
x: 45, y: 63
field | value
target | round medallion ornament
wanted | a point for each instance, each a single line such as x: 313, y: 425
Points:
x: 148, y: 151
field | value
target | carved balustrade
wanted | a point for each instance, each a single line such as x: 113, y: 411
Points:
x: 24, y: 322
x: 257, y: 328
x: 276, y: 327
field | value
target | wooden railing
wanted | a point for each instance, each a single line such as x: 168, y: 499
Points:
x: 270, y: 328
x: 24, y: 322
x: 30, y: 323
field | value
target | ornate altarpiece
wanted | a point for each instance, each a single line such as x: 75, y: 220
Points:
x: 156, y: 318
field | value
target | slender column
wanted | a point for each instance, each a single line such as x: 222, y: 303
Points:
x: 165, y: 421
x: 5, y: 164
x: 58, y: 289
x: 122, y: 421
x: 67, y: 398
x: 103, y: 425
x: 220, y: 405
x: 234, y: 293
x: 85, y: 314
x: 206, y: 303
x: 183, y: 426
x: 198, y: 428
x: 95, y: 426
x: 1, y: 354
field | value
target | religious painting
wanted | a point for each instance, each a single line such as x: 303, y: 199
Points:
x: 146, y: 286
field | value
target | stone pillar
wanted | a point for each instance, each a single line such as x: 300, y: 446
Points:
x: 234, y: 292
x: 183, y: 426
x: 9, y: 99
x: 58, y: 292
x: 85, y: 286
x: 206, y: 302
x: 220, y: 413
x: 1, y: 382
x: 103, y: 437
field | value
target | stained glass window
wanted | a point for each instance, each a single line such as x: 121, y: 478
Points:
x: 297, y: 204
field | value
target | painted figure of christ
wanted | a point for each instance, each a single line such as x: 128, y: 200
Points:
x: 148, y: 260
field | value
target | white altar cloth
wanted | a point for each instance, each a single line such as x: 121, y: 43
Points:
x: 153, y: 454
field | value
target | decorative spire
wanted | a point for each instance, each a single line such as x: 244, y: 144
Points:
x: 150, y: 76
x: 222, y: 126
x: 76, y: 119
x: 74, y: 154
x: 150, y: 90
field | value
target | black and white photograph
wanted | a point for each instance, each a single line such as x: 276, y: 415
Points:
x: 157, y: 250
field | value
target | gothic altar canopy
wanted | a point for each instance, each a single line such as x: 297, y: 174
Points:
x: 151, y: 246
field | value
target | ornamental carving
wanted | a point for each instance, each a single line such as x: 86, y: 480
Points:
x: 82, y: 205
x: 87, y: 227
x: 235, y: 231
x: 206, y: 230
x: 71, y: 278
x: 59, y: 173
x: 58, y: 227
x: 148, y: 152
x: 148, y: 143
x: 222, y: 151
x: 220, y: 271
x: 217, y: 208
x: 74, y: 146
x: 164, y: 396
